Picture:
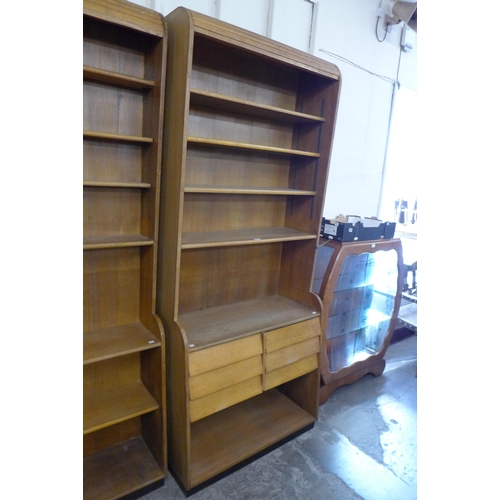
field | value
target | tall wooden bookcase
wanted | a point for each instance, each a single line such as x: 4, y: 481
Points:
x: 124, y: 391
x: 248, y: 132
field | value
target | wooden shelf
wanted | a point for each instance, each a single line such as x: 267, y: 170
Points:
x: 218, y: 324
x: 112, y: 184
x: 253, y: 147
x: 222, y: 102
x: 257, y: 236
x: 247, y: 190
x: 104, y: 76
x: 117, y: 341
x: 116, y: 241
x: 236, y: 433
x: 89, y: 134
x: 116, y: 405
x: 119, y: 470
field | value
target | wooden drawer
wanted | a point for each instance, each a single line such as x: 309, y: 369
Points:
x: 293, y: 334
x: 290, y: 372
x: 220, y: 400
x: 290, y: 352
x: 221, y: 378
x: 224, y: 354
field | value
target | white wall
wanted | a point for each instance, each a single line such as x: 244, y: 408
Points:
x: 341, y: 32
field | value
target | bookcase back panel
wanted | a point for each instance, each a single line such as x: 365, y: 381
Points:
x: 225, y: 70
x: 111, y: 211
x: 111, y: 285
x: 104, y: 438
x: 113, y: 48
x: 216, y: 212
x: 112, y: 109
x: 111, y: 373
x: 318, y: 95
x: 218, y: 276
x: 111, y: 161
x: 303, y: 174
x: 218, y: 167
x: 299, y: 214
x: 238, y: 128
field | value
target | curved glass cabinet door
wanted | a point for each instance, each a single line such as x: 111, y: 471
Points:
x: 361, y: 308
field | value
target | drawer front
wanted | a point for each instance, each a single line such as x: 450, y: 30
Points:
x: 221, y: 378
x: 290, y: 372
x: 224, y: 354
x: 292, y: 354
x: 220, y: 400
x: 293, y: 334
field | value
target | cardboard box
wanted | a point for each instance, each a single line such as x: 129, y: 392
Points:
x: 357, y: 230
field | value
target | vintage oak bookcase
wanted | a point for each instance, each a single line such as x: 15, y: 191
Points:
x: 360, y: 284
x: 124, y: 391
x: 248, y: 131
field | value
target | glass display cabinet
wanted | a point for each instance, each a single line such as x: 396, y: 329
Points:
x: 360, y: 284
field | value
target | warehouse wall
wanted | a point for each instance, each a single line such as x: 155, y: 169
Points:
x: 344, y: 33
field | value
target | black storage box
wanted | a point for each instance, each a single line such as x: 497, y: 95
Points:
x: 346, y: 231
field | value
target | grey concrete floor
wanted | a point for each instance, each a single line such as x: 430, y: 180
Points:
x: 363, y: 446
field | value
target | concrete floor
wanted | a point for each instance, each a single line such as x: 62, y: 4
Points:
x: 363, y: 446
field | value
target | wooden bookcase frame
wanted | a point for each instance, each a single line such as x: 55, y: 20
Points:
x: 248, y: 133
x: 124, y: 388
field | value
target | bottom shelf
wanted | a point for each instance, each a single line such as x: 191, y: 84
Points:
x: 226, y: 438
x: 119, y: 470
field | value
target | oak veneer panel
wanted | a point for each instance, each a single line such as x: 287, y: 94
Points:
x: 111, y: 284
x: 110, y: 211
x: 102, y: 344
x: 241, y: 106
x: 280, y: 150
x: 113, y: 136
x: 230, y: 167
x: 116, y: 241
x: 218, y: 324
x: 111, y: 161
x: 112, y: 110
x: 238, y: 128
x: 217, y: 401
x: 226, y: 212
x: 242, y: 75
x: 117, y: 184
x: 221, y: 378
x: 289, y: 372
x: 112, y: 48
x: 293, y: 334
x: 119, y: 470
x: 226, y: 438
x: 205, y: 360
x: 109, y: 436
x: 213, y: 277
x: 235, y: 237
x: 291, y: 354
x: 246, y: 190
x: 111, y: 77
x: 109, y: 407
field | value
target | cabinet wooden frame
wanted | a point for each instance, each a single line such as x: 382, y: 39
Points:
x: 375, y: 363
x: 248, y: 133
x: 124, y: 388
